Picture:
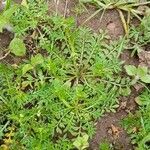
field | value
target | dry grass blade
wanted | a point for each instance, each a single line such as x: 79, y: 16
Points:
x: 93, y: 15
x: 125, y: 25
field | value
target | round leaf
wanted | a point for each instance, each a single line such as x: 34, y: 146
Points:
x: 37, y: 59
x: 146, y: 79
x: 17, y: 47
x: 131, y: 70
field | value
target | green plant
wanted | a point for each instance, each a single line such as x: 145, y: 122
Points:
x: 140, y: 73
x: 139, y: 36
x: 105, y: 145
x: 138, y: 125
x: 120, y: 5
x: 81, y: 143
x: 17, y: 47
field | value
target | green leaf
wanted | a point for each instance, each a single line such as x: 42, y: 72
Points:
x: 9, y: 12
x: 81, y: 143
x: 3, y: 23
x: 131, y: 70
x: 142, y: 71
x: 17, y: 47
x: 37, y: 59
x: 26, y: 68
x: 146, y: 78
x: 8, y: 4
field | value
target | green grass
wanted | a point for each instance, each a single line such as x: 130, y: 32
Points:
x: 138, y: 124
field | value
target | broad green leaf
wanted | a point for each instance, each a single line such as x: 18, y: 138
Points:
x: 146, y: 79
x: 131, y: 70
x: 142, y: 71
x: 37, y: 59
x: 17, y: 47
x: 26, y: 68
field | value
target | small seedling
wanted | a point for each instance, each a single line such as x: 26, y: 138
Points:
x: 139, y: 73
x: 81, y: 143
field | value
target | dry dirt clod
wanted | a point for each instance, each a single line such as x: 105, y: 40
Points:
x: 122, y: 105
x: 115, y: 131
x: 144, y: 58
x: 138, y: 87
x: 111, y: 27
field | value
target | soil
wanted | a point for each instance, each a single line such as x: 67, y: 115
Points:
x: 112, y: 24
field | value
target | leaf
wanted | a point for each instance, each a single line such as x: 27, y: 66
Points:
x: 9, y: 12
x: 24, y: 3
x: 26, y: 68
x: 3, y: 23
x: 8, y: 4
x: 25, y: 84
x: 37, y: 59
x: 146, y: 79
x: 17, y: 47
x: 81, y: 142
x: 131, y: 70
x: 142, y: 71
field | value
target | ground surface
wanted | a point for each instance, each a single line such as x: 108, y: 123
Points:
x: 107, y: 127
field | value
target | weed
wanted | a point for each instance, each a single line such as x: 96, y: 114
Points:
x: 138, y: 125
x: 105, y: 145
x: 140, y: 73
x: 140, y: 35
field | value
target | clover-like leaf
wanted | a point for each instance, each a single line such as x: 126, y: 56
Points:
x: 146, y: 78
x: 17, y: 47
x: 131, y: 70
x: 142, y: 71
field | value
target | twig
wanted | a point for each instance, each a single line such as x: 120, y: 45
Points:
x: 1, y: 58
x: 56, y: 6
x: 65, y: 11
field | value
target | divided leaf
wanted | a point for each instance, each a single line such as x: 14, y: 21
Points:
x: 81, y: 143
